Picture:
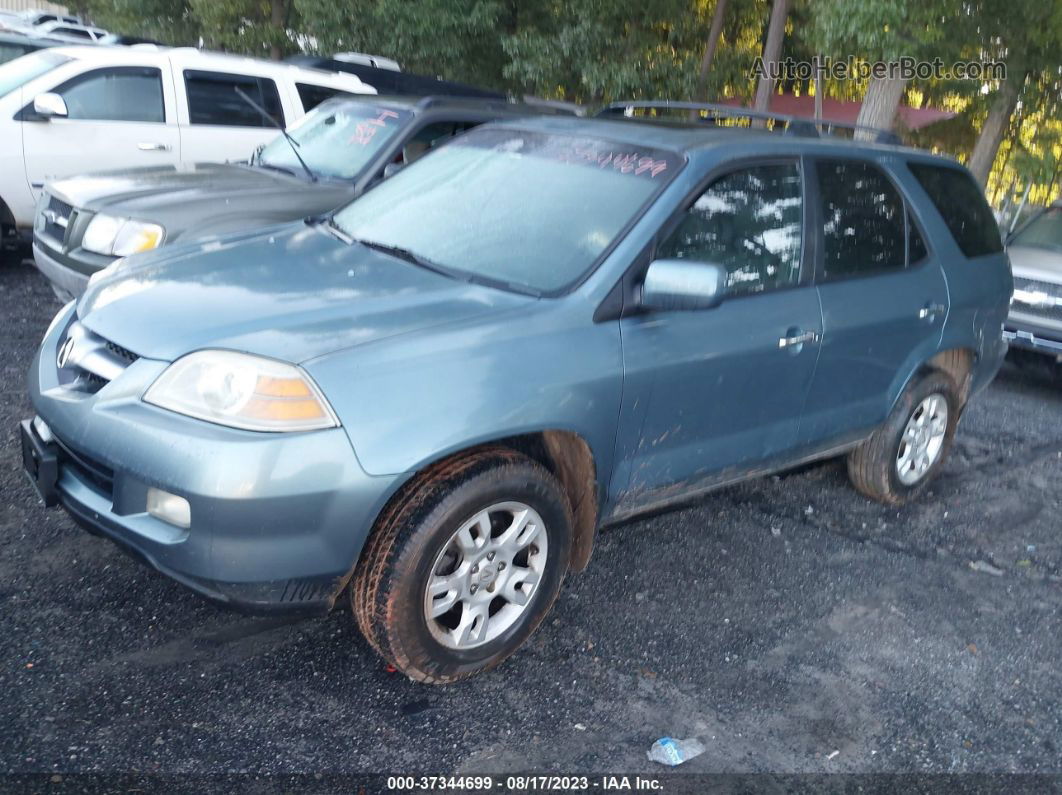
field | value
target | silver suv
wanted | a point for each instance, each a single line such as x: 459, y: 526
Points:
x: 1035, y: 320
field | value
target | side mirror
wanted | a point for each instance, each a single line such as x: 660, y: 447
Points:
x: 392, y: 168
x: 672, y: 284
x: 50, y: 106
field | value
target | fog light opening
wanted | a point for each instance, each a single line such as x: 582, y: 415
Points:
x: 169, y: 508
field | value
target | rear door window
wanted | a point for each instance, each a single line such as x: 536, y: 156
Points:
x: 751, y: 223
x: 962, y: 205
x: 864, y: 220
x: 212, y: 99
x: 127, y: 93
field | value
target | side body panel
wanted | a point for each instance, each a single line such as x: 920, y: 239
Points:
x: 979, y: 292
x: 877, y: 331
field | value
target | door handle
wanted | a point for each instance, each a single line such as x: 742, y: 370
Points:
x: 930, y: 311
x: 798, y: 339
x: 148, y: 146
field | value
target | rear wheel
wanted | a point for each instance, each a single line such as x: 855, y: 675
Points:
x: 904, y: 454
x: 464, y: 566
x: 12, y: 247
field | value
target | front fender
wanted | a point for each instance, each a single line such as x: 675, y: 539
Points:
x: 411, y: 400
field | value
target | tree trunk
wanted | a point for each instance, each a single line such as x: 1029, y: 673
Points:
x: 880, y: 104
x: 278, y: 18
x: 984, y: 152
x: 772, y: 52
x: 714, y: 34
x: 819, y: 87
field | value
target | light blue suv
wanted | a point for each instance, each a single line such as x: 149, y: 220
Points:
x: 434, y: 397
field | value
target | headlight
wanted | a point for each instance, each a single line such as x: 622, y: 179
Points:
x: 120, y: 237
x: 242, y: 391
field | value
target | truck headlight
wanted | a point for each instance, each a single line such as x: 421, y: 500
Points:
x: 120, y: 237
x: 242, y: 391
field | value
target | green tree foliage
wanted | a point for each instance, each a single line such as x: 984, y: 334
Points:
x: 456, y: 39
x: 600, y: 50
x: 257, y: 27
x: 171, y: 21
x: 596, y: 50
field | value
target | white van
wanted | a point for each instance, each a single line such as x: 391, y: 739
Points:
x: 72, y: 110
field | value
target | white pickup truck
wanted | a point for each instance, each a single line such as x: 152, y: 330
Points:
x: 72, y: 110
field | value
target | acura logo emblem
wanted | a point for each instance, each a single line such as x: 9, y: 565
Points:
x: 63, y: 357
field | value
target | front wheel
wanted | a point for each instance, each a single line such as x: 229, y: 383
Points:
x: 464, y: 565
x: 904, y: 454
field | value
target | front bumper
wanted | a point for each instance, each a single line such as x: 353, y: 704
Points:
x: 278, y: 520
x: 1030, y: 334
x: 66, y: 282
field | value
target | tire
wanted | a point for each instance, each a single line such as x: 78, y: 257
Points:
x: 417, y: 541
x: 874, y: 467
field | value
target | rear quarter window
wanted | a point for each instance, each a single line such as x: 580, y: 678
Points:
x: 312, y: 95
x: 961, y: 203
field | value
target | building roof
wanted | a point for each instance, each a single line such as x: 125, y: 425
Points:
x: 844, y: 111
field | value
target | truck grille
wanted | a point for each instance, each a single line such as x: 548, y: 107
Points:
x: 1037, y: 298
x: 55, y: 219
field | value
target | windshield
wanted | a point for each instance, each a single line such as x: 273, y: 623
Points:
x: 336, y: 139
x: 1044, y: 231
x: 15, y: 74
x: 526, y: 209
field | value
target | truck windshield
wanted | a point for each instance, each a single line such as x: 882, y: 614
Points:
x: 15, y: 74
x: 1044, y: 231
x: 524, y: 209
x: 336, y: 139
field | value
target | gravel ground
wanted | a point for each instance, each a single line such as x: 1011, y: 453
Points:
x: 788, y: 623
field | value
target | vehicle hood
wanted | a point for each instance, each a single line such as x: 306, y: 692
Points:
x: 201, y: 197
x: 293, y: 293
x: 1031, y: 262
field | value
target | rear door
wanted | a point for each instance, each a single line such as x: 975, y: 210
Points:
x: 710, y: 393
x: 883, y: 294
x: 217, y: 124
x: 119, y: 117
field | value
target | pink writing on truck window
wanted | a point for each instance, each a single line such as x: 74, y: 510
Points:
x: 364, y: 131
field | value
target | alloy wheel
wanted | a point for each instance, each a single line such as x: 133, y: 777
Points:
x: 923, y: 439
x: 483, y: 580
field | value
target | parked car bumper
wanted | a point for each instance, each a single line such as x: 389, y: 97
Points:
x: 277, y: 519
x: 1030, y: 333
x: 67, y: 279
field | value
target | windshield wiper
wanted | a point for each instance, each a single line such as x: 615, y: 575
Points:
x: 294, y: 144
x: 411, y: 257
x: 274, y: 167
x: 406, y: 255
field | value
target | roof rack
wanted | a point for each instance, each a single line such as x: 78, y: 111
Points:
x: 433, y: 100
x: 555, y: 105
x: 794, y: 125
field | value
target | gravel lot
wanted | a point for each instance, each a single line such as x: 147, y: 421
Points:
x: 787, y: 622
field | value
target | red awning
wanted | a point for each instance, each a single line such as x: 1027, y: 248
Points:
x: 847, y: 112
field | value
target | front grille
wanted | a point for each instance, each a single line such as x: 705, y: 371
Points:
x: 1038, y: 299
x: 122, y: 353
x: 57, y: 215
x: 90, y: 362
x: 88, y: 470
